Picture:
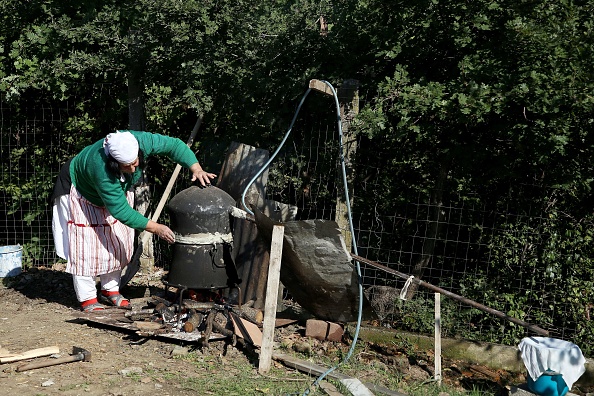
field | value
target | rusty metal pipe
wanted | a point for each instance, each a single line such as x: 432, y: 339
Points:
x: 464, y: 300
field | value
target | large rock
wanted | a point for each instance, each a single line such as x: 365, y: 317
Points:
x: 316, y: 268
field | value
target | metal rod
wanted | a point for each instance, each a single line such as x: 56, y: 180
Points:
x: 465, y: 300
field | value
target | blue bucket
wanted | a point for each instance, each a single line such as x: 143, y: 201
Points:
x: 11, y: 260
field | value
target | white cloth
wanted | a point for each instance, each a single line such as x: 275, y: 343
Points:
x: 122, y: 146
x: 60, y: 217
x: 542, y: 354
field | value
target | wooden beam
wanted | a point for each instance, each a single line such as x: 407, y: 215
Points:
x: 320, y: 86
x: 314, y: 369
x: 276, y: 254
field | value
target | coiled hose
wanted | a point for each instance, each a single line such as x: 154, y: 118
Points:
x: 350, y: 219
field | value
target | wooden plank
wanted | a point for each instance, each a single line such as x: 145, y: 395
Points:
x: 317, y: 370
x: 262, y: 260
x: 33, y: 353
x: 438, y: 338
x: 320, y: 86
x: 282, y: 213
x: 246, y: 246
x: 348, y: 96
x: 246, y: 329
x: 276, y: 254
x: 242, y: 163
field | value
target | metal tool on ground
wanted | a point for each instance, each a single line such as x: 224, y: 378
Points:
x: 78, y: 355
x: 134, y: 265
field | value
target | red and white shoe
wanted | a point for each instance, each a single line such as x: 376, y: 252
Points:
x: 91, y: 305
x: 115, y: 298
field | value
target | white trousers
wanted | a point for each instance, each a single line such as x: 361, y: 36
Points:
x: 85, y: 286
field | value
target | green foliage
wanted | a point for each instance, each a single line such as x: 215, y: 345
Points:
x: 464, y: 98
x: 32, y: 252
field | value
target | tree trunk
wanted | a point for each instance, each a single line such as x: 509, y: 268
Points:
x: 142, y: 189
x: 436, y: 203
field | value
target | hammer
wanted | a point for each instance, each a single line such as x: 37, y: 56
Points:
x: 78, y: 354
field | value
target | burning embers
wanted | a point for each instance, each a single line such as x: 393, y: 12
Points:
x: 194, y: 316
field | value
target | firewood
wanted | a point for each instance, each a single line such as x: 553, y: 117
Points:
x: 194, y: 321
x: 252, y: 314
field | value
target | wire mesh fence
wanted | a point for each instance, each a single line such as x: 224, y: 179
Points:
x: 484, y: 250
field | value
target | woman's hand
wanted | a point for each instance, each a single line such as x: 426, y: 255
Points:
x: 202, y: 176
x: 161, y: 230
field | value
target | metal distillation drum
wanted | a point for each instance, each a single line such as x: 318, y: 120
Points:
x: 201, y: 254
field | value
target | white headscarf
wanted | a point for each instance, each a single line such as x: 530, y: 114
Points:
x: 122, y: 146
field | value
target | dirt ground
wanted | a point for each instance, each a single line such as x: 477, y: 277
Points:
x: 38, y: 309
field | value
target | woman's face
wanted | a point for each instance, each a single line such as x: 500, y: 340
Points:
x: 129, y: 168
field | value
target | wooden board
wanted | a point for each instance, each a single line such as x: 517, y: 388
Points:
x: 33, y: 353
x: 276, y: 254
x: 241, y: 164
x: 246, y: 330
x: 116, y: 318
x: 314, y: 369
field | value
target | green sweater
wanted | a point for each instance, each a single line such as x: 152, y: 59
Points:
x: 91, y: 178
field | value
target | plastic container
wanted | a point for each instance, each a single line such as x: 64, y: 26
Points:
x: 548, y: 384
x: 11, y: 260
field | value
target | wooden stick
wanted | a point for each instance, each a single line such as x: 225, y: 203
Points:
x: 33, y: 353
x: 276, y: 253
x: 172, y: 179
x: 437, y: 357
x: 465, y: 300
x: 134, y: 264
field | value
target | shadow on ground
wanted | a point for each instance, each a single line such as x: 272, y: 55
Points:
x: 55, y: 285
x: 46, y: 284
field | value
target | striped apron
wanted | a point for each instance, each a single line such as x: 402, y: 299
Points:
x: 99, y: 244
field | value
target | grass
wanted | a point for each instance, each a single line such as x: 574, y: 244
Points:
x: 217, y: 375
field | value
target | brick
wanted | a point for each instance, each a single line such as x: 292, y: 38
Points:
x: 323, y: 330
x: 335, y: 332
x: 315, y: 328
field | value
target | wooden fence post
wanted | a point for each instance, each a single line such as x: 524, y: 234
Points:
x: 276, y: 253
x: 348, y: 96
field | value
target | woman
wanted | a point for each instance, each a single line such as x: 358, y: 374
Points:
x: 93, y: 219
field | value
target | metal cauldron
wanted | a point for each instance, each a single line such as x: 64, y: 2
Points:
x: 201, y: 254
